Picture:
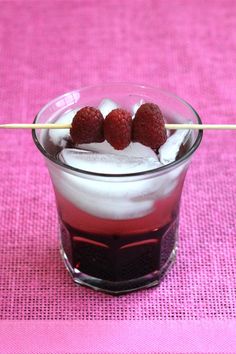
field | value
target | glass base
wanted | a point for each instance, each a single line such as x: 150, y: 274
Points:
x: 120, y: 287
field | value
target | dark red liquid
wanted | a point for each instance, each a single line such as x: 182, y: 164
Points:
x: 118, y: 257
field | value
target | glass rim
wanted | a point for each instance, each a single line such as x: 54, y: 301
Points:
x: 120, y: 175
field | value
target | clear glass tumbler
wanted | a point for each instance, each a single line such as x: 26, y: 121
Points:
x: 118, y: 233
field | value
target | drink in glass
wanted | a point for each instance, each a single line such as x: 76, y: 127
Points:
x: 118, y: 211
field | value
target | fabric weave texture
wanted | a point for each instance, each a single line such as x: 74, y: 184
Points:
x: 48, y: 48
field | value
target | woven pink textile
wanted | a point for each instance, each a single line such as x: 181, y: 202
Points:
x: 50, y: 47
x: 118, y: 337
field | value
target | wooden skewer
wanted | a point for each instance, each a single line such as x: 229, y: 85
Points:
x: 168, y: 126
x: 35, y: 126
x: 202, y: 126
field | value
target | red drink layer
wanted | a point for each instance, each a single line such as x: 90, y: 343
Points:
x: 119, y: 250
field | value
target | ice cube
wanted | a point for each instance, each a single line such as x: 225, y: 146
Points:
x: 169, y: 151
x: 106, y: 106
x: 103, y: 199
x: 107, y: 163
x: 112, y: 198
x: 58, y: 136
x: 136, y: 106
x: 133, y: 150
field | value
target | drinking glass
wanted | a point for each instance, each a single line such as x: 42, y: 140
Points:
x: 118, y: 232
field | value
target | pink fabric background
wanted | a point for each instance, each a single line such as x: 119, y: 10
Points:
x: 48, y: 48
x: 119, y: 337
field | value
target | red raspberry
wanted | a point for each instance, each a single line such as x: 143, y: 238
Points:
x: 87, y: 126
x: 149, y: 126
x: 117, y: 128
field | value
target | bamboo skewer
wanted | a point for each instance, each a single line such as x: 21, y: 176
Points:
x: 202, y: 126
x: 168, y: 126
x: 35, y: 126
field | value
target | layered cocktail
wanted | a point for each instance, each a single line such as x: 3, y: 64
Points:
x: 118, y: 205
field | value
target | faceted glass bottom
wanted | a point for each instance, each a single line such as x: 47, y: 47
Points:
x: 157, y: 259
x: 120, y: 287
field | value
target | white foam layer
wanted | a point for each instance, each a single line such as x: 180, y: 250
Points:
x: 58, y: 136
x: 106, y: 106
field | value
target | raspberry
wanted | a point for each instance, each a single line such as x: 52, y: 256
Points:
x: 87, y: 126
x: 117, y: 128
x: 149, y: 126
